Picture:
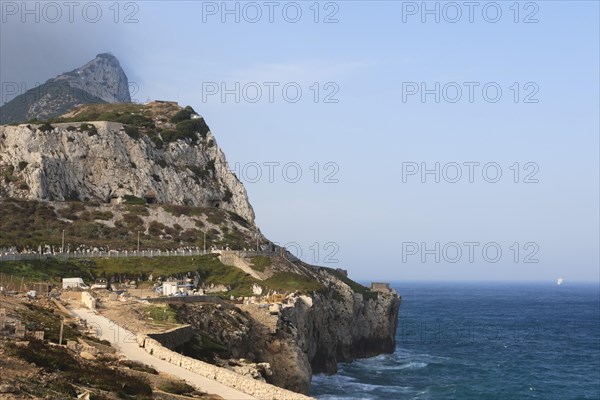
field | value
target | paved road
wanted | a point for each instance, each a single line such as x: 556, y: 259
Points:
x: 126, y: 345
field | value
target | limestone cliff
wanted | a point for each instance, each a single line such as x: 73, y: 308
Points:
x: 319, y: 331
x: 110, y: 161
x: 332, y: 331
x: 314, y: 331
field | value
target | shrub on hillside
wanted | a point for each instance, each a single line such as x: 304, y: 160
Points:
x: 183, y: 115
x: 46, y: 127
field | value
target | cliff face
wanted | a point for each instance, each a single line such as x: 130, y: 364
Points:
x: 319, y: 331
x: 311, y: 334
x: 98, y: 81
x: 330, y: 331
x: 103, y: 163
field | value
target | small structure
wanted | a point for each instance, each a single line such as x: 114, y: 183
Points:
x: 274, y: 309
x: 74, y: 283
x: 381, y: 287
x: 115, y: 199
x: 101, y: 283
x: 169, y: 288
x: 2, y: 318
x: 257, y: 290
x: 88, y: 300
x: 150, y: 197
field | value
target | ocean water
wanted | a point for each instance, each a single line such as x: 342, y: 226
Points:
x: 483, y: 341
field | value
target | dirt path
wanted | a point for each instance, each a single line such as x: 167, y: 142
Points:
x: 126, y: 345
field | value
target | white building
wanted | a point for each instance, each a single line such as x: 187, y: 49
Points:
x: 169, y: 288
x: 74, y: 283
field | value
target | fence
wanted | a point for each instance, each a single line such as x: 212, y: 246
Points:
x: 142, y: 253
x: 22, y: 284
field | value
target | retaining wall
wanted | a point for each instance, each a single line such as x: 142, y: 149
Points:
x: 258, y: 389
x: 186, y: 299
x: 173, y: 337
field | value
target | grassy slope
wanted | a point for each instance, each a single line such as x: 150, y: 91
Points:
x: 210, y: 269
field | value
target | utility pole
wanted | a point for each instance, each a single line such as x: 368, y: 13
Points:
x: 204, y: 242
x: 62, y: 323
x: 62, y: 247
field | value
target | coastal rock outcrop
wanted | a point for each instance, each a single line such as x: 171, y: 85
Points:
x: 312, y: 333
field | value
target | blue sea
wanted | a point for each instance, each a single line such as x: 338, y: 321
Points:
x: 483, y: 341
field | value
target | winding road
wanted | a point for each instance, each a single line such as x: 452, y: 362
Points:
x: 125, y: 343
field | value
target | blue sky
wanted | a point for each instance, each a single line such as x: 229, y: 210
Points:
x: 368, y: 61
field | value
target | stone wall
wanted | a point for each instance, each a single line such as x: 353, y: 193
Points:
x: 88, y: 300
x: 173, y: 337
x: 186, y: 299
x: 232, y: 259
x: 260, y: 390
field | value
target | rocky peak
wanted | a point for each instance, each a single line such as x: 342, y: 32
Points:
x: 102, y: 77
x: 101, y: 80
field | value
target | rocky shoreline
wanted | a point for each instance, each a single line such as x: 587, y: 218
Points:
x: 312, y: 333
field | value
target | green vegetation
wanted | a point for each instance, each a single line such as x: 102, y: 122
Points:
x: 210, y: 344
x: 239, y: 219
x: 89, y: 128
x: 177, y: 387
x: 46, y: 127
x: 355, y: 286
x: 210, y: 269
x: 132, y: 131
x: 138, y: 121
x: 104, y: 112
x: 291, y: 282
x: 29, y: 224
x: 58, y: 360
x: 188, y: 129
x: 259, y: 263
x: 136, y: 208
x: 37, y: 318
x: 182, y: 115
x: 23, y: 165
x: 138, y: 366
x: 134, y: 200
x: 215, y: 217
x: 49, y: 270
x: 161, y: 314
x: 102, y: 215
x: 8, y: 174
